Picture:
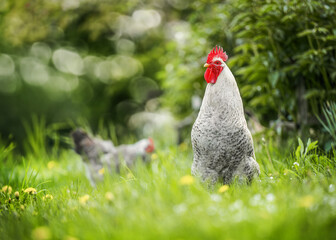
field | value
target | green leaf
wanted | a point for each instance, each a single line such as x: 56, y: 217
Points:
x: 301, y: 146
x: 322, y: 30
x: 305, y: 33
x: 297, y: 152
x: 273, y: 78
x: 311, y: 146
x: 314, y: 93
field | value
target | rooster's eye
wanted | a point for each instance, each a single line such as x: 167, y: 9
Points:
x: 218, y: 62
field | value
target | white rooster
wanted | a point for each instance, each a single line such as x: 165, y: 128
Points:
x: 97, y: 154
x: 221, y: 141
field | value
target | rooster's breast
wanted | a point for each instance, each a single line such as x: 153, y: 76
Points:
x: 219, y: 143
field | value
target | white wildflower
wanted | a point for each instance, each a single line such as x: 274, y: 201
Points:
x: 180, y: 209
x: 215, y: 197
x: 255, y: 200
x: 270, y: 197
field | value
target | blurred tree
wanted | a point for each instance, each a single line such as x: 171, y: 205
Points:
x: 77, y: 59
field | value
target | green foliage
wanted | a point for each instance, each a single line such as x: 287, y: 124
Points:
x: 36, y: 141
x: 76, y: 61
x: 104, y: 61
x: 329, y: 125
x: 281, y: 52
x: 284, y: 45
x: 308, y: 160
x: 301, y: 152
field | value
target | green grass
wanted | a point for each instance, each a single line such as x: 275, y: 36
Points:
x: 294, y: 198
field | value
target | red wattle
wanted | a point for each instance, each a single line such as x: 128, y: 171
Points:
x: 207, y: 75
x: 211, y: 74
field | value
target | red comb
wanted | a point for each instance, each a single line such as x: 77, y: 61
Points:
x: 218, y: 52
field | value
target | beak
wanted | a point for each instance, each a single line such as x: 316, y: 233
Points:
x: 206, y: 65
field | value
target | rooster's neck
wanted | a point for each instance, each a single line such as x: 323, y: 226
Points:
x: 222, y: 95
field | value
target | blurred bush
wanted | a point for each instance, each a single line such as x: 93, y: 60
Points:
x: 71, y: 60
x: 281, y: 52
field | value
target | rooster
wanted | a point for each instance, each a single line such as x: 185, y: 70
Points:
x: 221, y: 141
x: 97, y: 154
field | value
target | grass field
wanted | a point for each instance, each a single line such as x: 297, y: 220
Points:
x: 45, y: 195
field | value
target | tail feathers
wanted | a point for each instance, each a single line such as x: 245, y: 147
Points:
x: 81, y: 140
x: 247, y: 170
x: 86, y: 146
x: 252, y: 169
x: 255, y: 166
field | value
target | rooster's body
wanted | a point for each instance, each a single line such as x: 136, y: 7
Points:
x: 222, y: 143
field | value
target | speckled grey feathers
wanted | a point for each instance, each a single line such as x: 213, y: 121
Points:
x: 222, y: 143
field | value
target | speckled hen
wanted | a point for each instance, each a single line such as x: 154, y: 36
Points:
x: 222, y: 143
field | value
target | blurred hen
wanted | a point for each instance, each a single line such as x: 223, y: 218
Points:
x: 98, y: 154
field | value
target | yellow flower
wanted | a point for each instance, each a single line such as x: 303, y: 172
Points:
x: 7, y: 189
x: 51, y: 164
x: 187, y: 180
x: 41, y: 233
x: 22, y: 207
x: 223, y: 189
x: 154, y: 156
x: 30, y: 190
x: 84, y: 199
x: 306, y: 201
x: 101, y: 171
x: 109, y: 196
x: 17, y: 194
x: 48, y: 196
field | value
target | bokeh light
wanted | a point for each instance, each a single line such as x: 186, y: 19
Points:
x: 33, y: 71
x: 68, y: 61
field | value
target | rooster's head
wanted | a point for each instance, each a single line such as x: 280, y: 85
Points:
x: 150, y: 146
x: 215, y: 64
